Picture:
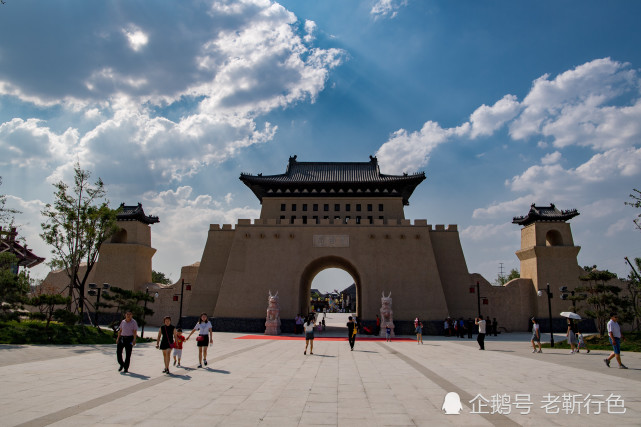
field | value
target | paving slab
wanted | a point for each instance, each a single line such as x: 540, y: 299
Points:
x: 259, y: 382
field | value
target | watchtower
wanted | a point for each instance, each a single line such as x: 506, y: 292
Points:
x: 548, y: 254
x: 125, y: 260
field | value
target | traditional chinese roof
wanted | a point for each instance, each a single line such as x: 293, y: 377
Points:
x: 544, y: 213
x: 135, y: 213
x: 333, y: 179
x: 8, y: 243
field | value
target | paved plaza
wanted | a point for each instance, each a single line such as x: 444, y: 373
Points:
x: 254, y: 382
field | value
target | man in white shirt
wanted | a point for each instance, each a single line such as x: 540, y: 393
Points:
x: 614, y: 331
x: 481, y: 338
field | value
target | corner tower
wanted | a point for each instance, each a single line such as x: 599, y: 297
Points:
x: 548, y: 254
x: 125, y: 260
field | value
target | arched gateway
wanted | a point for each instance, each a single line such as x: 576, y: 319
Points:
x: 322, y: 215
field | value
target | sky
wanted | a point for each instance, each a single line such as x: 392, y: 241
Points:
x: 502, y: 104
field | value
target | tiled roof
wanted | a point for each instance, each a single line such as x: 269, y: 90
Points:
x: 8, y: 243
x: 544, y: 213
x: 135, y: 213
x: 344, y: 178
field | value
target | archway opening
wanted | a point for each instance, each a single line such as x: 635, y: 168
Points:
x: 332, y: 278
x: 553, y: 238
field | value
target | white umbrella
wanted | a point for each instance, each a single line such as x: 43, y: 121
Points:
x: 570, y: 315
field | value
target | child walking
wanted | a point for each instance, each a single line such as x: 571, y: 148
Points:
x: 178, y: 350
x: 388, y: 334
x: 582, y: 344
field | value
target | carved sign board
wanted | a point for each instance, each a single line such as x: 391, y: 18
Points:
x: 331, y: 241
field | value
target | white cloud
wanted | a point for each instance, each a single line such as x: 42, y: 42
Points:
x: 485, y: 120
x: 234, y: 70
x: 501, y: 209
x: 310, y: 29
x: 487, y: 231
x: 551, y: 158
x: 136, y: 37
x: 407, y: 152
x: 184, y: 221
x: 387, y: 8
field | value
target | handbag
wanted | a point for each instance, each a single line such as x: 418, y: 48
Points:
x: 200, y: 338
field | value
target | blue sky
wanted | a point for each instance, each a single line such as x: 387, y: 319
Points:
x: 502, y: 104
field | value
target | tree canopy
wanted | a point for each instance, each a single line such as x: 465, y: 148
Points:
x: 636, y: 203
x: 14, y: 286
x: 6, y: 214
x: 158, y: 277
x: 76, y: 224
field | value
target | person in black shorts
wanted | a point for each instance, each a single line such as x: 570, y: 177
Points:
x: 165, y: 341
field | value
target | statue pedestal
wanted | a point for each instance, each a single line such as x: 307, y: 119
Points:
x: 272, y: 327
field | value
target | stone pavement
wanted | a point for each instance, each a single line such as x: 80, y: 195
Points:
x: 258, y: 382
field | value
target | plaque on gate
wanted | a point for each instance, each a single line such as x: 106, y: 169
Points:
x: 331, y: 241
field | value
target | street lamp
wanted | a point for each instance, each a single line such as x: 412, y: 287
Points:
x: 549, y: 294
x: 142, y: 331
x: 565, y: 296
x: 479, y: 297
x: 182, y: 293
x: 94, y: 290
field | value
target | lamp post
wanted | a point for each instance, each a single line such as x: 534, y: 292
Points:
x: 142, y: 331
x: 565, y: 296
x: 478, y: 297
x: 549, y: 295
x: 182, y: 294
x: 94, y: 290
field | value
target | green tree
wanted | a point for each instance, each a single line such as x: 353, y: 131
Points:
x: 14, y: 285
x: 636, y: 203
x: 158, y: 277
x: 46, y: 304
x: 124, y: 300
x: 601, y: 297
x: 75, y: 226
x: 634, y: 291
x: 502, y: 280
x: 6, y: 214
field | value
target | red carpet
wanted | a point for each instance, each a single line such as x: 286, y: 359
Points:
x: 316, y: 338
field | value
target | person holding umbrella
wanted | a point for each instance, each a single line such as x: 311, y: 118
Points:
x: 572, y: 329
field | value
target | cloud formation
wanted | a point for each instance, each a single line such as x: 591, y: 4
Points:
x: 240, y: 61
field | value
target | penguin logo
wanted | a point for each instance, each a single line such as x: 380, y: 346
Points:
x: 452, y: 404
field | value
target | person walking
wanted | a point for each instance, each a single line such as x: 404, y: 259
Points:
x: 581, y: 342
x: 204, y: 338
x: 419, y: 331
x: 614, y: 331
x: 299, y: 324
x: 495, y: 326
x: 536, y: 336
x: 178, y: 350
x: 351, y: 332
x: 469, y: 325
x: 166, y: 340
x: 309, y: 324
x: 126, y: 339
x: 571, y: 334
x: 482, y: 328
x: 377, y: 332
x: 388, y: 333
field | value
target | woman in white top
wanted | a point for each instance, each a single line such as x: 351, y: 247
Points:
x: 309, y: 324
x: 204, y: 339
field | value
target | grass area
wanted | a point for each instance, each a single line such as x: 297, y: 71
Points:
x: 595, y: 342
x: 34, y: 332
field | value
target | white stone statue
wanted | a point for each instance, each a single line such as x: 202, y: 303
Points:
x: 272, y: 324
x: 387, y: 319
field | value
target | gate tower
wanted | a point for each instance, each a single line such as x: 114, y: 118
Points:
x: 320, y: 215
